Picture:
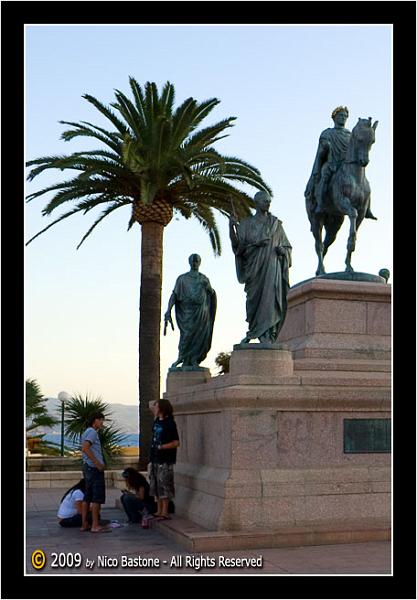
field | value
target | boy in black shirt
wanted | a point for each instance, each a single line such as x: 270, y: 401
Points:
x: 163, y: 455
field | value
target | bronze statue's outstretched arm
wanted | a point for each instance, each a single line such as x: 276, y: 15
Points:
x: 233, y: 233
x: 167, y: 316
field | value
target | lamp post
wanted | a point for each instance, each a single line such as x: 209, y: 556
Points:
x: 63, y: 397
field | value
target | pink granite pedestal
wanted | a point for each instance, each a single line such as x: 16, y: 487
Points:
x: 338, y: 319
x: 262, y: 447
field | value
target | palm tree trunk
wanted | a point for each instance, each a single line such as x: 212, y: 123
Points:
x: 149, y: 331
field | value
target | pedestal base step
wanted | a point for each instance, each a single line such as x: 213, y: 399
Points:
x: 347, y: 365
x: 196, y: 539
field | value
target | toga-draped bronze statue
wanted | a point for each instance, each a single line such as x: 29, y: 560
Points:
x: 195, y: 304
x: 263, y: 258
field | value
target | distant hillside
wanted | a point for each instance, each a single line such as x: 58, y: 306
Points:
x: 123, y: 416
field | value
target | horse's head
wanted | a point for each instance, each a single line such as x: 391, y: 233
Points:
x: 362, y: 138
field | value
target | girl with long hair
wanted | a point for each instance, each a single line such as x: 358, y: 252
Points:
x: 70, y: 508
x: 136, y: 499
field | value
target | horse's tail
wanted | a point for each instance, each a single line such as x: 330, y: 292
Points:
x: 332, y: 224
x: 310, y: 206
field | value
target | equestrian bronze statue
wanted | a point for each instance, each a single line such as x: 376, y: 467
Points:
x: 338, y: 186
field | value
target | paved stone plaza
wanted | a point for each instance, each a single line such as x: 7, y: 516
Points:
x: 131, y: 541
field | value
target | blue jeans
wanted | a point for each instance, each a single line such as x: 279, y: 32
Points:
x: 95, y: 489
x: 134, y: 506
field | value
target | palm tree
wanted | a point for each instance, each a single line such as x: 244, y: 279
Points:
x: 36, y: 411
x: 155, y: 160
x: 37, y: 416
x: 78, y: 410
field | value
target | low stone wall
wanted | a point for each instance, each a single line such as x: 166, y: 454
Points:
x: 66, y: 479
x: 74, y: 464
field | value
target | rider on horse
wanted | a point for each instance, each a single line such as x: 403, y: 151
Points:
x: 331, y: 153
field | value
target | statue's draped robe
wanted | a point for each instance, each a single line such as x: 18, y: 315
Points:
x: 264, y: 273
x: 195, y: 311
x: 338, y: 139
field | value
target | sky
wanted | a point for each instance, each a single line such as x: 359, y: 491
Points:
x: 281, y: 83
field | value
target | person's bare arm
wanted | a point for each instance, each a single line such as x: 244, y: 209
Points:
x: 141, y: 493
x: 169, y: 445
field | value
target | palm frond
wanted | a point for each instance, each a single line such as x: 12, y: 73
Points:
x: 167, y: 98
x: 139, y: 101
x: 120, y: 126
x: 203, y: 109
x: 114, y: 136
x: 77, y: 162
x: 47, y: 162
x: 115, y: 157
x: 130, y: 114
x: 61, y: 218
x: 205, y: 217
x: 90, y: 197
x: 185, y: 210
x: 207, y: 136
x: 81, y: 130
x: 151, y: 100
x: 104, y: 214
x: 132, y: 156
x: 62, y: 185
x: 182, y: 121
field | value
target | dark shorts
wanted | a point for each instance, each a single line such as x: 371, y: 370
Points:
x: 161, y: 480
x: 95, y: 490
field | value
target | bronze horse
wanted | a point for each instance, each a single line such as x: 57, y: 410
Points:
x: 348, y: 194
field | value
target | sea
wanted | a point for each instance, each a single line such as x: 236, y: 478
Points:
x: 130, y: 439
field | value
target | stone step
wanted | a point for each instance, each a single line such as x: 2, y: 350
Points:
x: 349, y: 365
x: 197, y: 539
x: 350, y: 379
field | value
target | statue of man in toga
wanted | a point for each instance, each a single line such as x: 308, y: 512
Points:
x: 195, y: 310
x: 263, y: 258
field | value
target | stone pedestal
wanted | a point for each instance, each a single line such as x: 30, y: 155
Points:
x: 261, y: 361
x: 178, y: 380
x: 338, y: 319
x: 263, y: 446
